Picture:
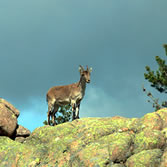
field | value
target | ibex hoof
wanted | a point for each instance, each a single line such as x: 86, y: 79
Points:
x: 54, y: 124
x: 75, y: 118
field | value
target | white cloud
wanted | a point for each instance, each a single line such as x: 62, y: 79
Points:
x: 97, y: 103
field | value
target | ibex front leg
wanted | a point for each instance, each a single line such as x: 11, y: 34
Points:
x: 73, y: 105
x: 77, y: 110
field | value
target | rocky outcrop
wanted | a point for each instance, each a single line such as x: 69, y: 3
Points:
x: 21, y: 133
x: 8, y: 118
x: 10, y: 107
x: 90, y: 142
x: 8, y: 122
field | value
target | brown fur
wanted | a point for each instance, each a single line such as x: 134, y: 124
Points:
x: 68, y: 94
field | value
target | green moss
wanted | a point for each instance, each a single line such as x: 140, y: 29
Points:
x: 148, y: 139
x: 37, y: 160
x: 12, y: 150
x: 145, y: 158
x: 85, y: 142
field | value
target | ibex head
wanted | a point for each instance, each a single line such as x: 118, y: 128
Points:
x: 85, y: 73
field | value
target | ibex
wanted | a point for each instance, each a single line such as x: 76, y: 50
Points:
x: 72, y: 94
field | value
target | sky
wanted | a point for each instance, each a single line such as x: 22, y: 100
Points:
x: 42, y: 44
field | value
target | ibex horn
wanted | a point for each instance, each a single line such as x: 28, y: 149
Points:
x: 81, y: 68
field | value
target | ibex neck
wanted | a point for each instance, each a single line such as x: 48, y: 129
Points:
x: 82, y: 85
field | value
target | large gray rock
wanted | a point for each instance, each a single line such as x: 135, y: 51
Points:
x: 8, y: 122
x: 10, y: 107
x: 8, y: 118
x: 94, y: 142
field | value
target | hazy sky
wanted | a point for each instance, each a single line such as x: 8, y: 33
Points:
x: 43, y: 42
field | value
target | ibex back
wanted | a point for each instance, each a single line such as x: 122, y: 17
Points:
x: 68, y: 94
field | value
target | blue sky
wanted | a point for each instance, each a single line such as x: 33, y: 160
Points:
x: 42, y: 43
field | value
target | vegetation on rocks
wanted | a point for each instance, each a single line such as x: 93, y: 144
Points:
x: 63, y: 115
x: 90, y: 142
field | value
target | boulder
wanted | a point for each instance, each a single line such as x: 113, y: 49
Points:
x: 10, y: 107
x: 164, y: 159
x: 21, y: 134
x: 115, y: 141
x: 8, y: 118
x: 22, y: 131
x: 146, y: 158
x: 8, y: 122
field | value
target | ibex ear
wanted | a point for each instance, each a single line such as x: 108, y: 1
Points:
x: 90, y: 69
x: 81, y: 69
